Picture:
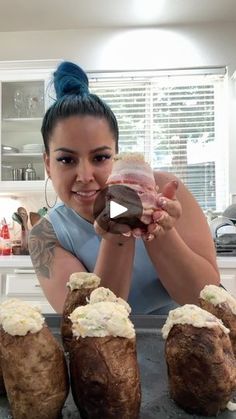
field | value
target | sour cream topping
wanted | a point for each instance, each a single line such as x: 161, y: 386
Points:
x: 194, y: 315
x: 80, y: 280
x: 231, y: 406
x: 105, y: 294
x: 18, y: 318
x: 104, y: 318
x: 217, y: 295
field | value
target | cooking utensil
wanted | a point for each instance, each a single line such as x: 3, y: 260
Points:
x: 21, y: 211
x: 16, y: 217
x: 34, y: 218
x: 24, y: 231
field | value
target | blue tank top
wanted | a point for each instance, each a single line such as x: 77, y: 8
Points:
x: 77, y: 236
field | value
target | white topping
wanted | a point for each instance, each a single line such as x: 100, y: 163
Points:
x: 105, y: 294
x: 217, y: 295
x: 194, y: 315
x: 231, y: 406
x: 101, y: 319
x: 18, y: 318
x: 83, y: 280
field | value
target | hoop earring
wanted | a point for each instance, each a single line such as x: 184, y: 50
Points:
x: 45, y: 194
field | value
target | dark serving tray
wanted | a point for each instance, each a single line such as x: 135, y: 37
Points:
x: 156, y: 403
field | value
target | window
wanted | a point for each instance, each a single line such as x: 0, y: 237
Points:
x: 178, y: 121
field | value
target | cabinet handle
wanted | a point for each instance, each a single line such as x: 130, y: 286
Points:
x: 24, y: 271
x: 37, y: 286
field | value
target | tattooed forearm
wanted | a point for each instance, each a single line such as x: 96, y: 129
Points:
x: 42, y: 242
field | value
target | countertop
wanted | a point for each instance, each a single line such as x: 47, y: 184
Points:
x: 16, y: 261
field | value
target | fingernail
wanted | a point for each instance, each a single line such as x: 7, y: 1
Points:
x: 150, y: 237
x: 175, y: 183
x: 128, y: 234
x: 162, y: 202
x: 157, y: 215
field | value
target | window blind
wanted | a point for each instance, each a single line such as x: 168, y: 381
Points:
x: 179, y: 123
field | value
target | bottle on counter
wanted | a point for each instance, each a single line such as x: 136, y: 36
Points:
x: 5, y: 239
x: 30, y: 173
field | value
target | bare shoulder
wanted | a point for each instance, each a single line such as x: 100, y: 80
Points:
x: 42, y: 243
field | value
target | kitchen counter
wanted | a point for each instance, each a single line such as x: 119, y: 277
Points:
x: 16, y: 261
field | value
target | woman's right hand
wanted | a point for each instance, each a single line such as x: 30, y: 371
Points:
x: 117, y: 233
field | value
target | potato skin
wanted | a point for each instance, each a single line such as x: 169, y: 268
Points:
x: 201, y: 368
x: 224, y: 313
x: 74, y: 299
x: 2, y: 386
x: 35, y: 374
x: 105, y: 378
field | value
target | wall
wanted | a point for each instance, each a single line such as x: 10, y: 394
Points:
x: 128, y: 49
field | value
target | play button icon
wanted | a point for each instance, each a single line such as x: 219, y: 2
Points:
x: 116, y: 205
x: 116, y: 209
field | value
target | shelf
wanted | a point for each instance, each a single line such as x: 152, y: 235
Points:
x: 23, y: 155
x: 21, y: 124
x: 17, y: 187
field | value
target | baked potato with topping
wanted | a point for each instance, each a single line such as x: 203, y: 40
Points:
x: 104, y: 372
x: 33, y: 364
x: 200, y: 361
x: 80, y: 286
x: 219, y: 302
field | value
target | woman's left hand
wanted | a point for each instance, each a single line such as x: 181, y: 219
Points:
x: 164, y: 217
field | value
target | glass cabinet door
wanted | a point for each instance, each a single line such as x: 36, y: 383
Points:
x: 22, y: 109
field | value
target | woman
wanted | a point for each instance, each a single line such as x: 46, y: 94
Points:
x: 171, y: 263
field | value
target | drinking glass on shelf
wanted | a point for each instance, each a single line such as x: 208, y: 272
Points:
x: 19, y: 103
x: 32, y: 105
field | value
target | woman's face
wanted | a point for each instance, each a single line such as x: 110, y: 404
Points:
x: 80, y: 159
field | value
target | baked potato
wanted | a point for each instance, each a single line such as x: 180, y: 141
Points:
x: 105, y: 379
x: 219, y: 302
x: 2, y: 385
x: 80, y: 286
x: 33, y: 363
x: 200, y: 361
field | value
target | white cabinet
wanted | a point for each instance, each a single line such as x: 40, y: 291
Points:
x: 18, y: 280
x: 25, y: 285
x: 25, y: 94
x: 228, y: 280
x: 227, y: 267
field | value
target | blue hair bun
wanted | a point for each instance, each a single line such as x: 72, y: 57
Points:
x: 69, y: 79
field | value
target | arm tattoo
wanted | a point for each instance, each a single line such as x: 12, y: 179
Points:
x: 42, y: 242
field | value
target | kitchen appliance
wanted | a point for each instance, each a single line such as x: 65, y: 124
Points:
x: 156, y: 401
x: 223, y: 232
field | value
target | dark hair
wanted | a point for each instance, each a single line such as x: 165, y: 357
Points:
x: 73, y: 98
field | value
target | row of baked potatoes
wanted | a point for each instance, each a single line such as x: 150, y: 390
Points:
x: 99, y: 337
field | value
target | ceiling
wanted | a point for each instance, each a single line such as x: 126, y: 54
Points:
x: 28, y: 15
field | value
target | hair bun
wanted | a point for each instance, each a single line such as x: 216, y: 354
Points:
x: 69, y: 79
